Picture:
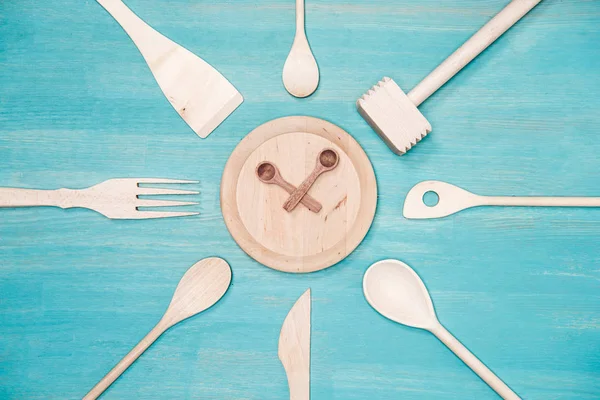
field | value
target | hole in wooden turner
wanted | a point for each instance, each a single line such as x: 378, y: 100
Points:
x: 431, y: 199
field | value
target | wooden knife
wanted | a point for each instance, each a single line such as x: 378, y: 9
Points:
x: 294, y: 348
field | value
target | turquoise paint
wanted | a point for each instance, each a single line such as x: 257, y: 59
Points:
x: 520, y: 287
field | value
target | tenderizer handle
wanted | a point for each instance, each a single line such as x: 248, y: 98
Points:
x: 471, y: 49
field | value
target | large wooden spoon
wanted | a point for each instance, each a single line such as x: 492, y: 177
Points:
x: 200, y: 288
x: 395, y: 291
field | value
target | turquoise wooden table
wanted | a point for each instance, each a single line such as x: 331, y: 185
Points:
x: 519, y: 287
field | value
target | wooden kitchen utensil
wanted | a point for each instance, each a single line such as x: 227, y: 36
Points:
x: 294, y: 348
x: 197, y: 91
x: 395, y: 116
x: 301, y: 241
x: 327, y: 160
x: 300, y: 72
x: 268, y: 173
x: 114, y: 198
x: 395, y: 291
x: 203, y: 285
x: 452, y: 199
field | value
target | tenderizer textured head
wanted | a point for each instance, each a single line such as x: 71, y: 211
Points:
x: 393, y: 116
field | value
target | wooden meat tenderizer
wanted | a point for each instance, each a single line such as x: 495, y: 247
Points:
x: 395, y: 116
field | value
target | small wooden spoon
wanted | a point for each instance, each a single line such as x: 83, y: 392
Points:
x: 327, y: 160
x: 300, y: 72
x: 200, y: 288
x: 268, y: 173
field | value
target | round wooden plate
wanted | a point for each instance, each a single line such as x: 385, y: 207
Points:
x: 300, y: 241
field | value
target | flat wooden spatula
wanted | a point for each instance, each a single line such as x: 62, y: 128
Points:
x: 197, y: 91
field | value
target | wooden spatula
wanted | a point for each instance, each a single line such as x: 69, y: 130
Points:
x: 197, y: 91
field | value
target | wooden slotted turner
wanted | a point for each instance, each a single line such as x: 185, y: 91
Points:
x: 452, y: 199
x: 197, y: 91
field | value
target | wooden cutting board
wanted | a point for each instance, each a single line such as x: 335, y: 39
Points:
x: 300, y: 241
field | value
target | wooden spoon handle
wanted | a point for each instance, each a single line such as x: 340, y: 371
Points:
x: 474, y: 363
x: 300, y: 192
x: 308, y: 201
x: 300, y: 17
x: 540, y: 201
x: 125, y: 362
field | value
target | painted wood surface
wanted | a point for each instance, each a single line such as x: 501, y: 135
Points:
x: 520, y: 287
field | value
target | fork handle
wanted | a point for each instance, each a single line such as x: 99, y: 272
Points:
x: 13, y: 197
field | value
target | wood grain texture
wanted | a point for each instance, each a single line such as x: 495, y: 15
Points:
x: 302, y: 241
x: 79, y: 105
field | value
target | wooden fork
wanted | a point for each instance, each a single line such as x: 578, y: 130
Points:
x: 114, y: 198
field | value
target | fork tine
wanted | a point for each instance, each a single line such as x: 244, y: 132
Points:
x: 163, y: 203
x: 146, y: 191
x: 160, y: 180
x: 163, y: 214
